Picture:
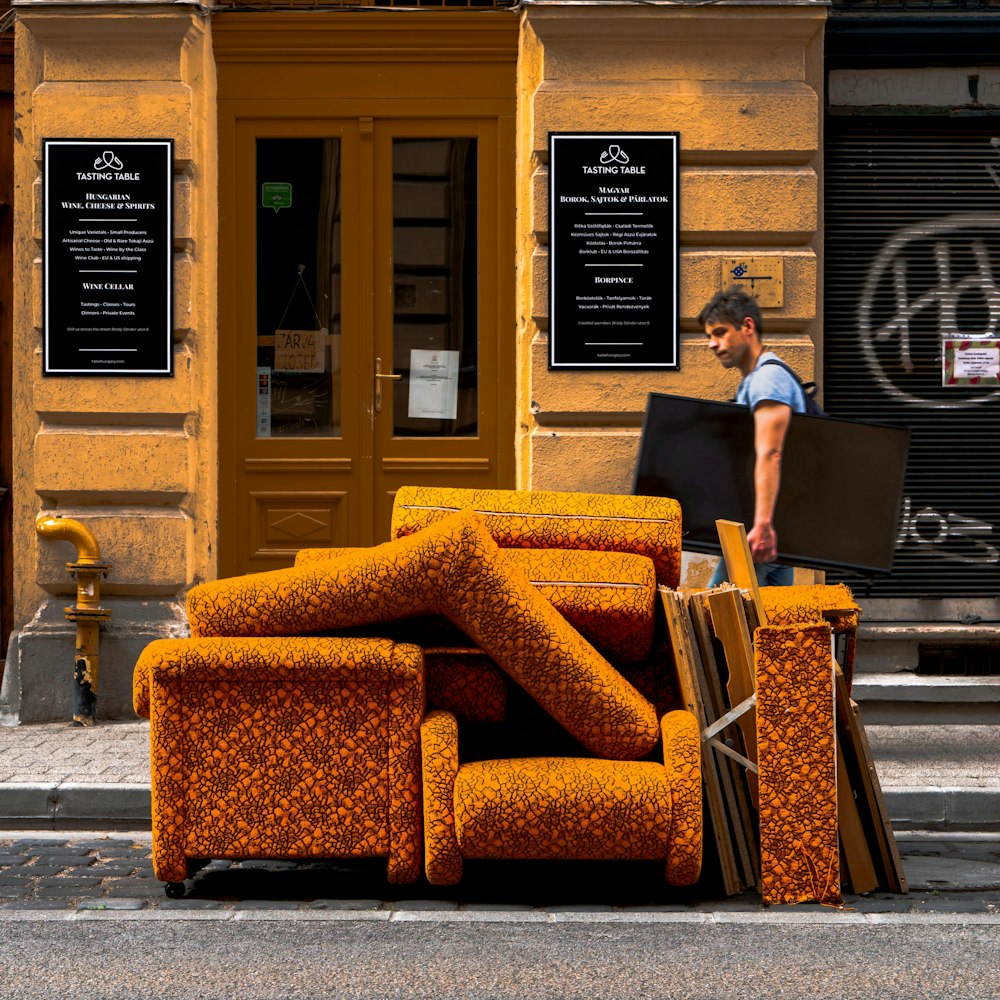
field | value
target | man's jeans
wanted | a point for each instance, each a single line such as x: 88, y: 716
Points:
x: 768, y: 574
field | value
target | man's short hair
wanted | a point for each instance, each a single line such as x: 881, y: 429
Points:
x: 731, y: 306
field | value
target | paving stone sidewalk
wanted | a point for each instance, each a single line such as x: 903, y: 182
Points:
x: 55, y: 753
x: 94, y: 871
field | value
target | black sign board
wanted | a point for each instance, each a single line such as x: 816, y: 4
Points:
x: 108, y: 299
x: 613, y: 258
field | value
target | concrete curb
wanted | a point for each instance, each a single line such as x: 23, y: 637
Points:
x: 77, y: 805
x: 73, y: 805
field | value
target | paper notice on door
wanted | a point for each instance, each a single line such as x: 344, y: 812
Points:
x: 433, y: 384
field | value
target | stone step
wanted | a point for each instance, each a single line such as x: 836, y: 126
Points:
x: 904, y: 698
x: 939, y: 777
x: 887, y: 646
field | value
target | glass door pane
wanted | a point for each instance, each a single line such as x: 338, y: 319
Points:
x: 298, y: 333
x: 435, y: 287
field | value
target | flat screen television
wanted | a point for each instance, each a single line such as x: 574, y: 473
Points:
x: 841, y: 481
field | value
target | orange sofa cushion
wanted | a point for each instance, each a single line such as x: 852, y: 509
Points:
x: 797, y: 764
x: 540, y: 519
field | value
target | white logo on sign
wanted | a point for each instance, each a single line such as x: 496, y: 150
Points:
x: 108, y: 161
x: 614, y: 154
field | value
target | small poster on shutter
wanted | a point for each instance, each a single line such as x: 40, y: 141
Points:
x: 433, y: 384
x: 970, y: 363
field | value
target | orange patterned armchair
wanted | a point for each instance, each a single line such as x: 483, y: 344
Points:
x: 283, y: 748
x: 568, y: 807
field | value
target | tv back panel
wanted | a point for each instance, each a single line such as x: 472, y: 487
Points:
x: 841, y: 480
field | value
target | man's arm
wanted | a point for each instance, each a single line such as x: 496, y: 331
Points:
x: 770, y: 421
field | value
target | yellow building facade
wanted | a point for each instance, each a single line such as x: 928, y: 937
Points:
x: 416, y: 142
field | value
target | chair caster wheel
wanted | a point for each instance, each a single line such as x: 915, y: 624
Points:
x: 174, y: 890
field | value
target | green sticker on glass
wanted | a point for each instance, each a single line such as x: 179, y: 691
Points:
x: 276, y: 195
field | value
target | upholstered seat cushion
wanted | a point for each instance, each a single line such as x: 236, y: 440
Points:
x: 562, y: 807
x: 541, y: 519
x: 566, y: 808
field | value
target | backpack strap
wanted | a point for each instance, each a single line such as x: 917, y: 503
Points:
x: 808, y: 388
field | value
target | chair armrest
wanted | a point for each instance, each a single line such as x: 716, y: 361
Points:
x: 682, y: 760
x: 439, y: 755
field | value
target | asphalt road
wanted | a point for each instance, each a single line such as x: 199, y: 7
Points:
x: 492, y: 955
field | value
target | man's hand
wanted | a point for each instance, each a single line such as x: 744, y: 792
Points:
x: 770, y: 422
x: 763, y: 542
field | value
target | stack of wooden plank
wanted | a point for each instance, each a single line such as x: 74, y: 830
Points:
x: 711, y: 638
x: 711, y: 690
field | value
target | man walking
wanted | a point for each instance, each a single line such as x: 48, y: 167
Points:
x: 732, y: 323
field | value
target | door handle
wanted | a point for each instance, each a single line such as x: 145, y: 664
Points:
x: 392, y: 376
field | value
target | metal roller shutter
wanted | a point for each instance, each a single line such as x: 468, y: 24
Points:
x: 912, y: 236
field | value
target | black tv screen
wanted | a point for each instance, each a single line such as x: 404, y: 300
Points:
x: 841, y: 480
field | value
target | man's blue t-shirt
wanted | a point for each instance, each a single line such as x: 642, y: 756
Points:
x: 770, y: 382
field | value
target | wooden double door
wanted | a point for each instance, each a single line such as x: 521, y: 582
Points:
x: 366, y: 324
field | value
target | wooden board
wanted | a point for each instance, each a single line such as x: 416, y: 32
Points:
x: 868, y: 791
x: 853, y: 843
x: 739, y: 562
x: 850, y: 648
x: 688, y: 665
x: 750, y: 612
x: 864, y: 780
x: 895, y: 875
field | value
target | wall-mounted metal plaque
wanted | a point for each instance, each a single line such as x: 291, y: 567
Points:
x: 108, y: 251
x: 613, y: 250
x: 762, y: 277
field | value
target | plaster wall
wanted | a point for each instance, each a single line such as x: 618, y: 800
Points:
x: 133, y: 458
x: 741, y: 82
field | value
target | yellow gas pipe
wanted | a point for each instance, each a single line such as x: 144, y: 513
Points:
x: 87, y: 613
